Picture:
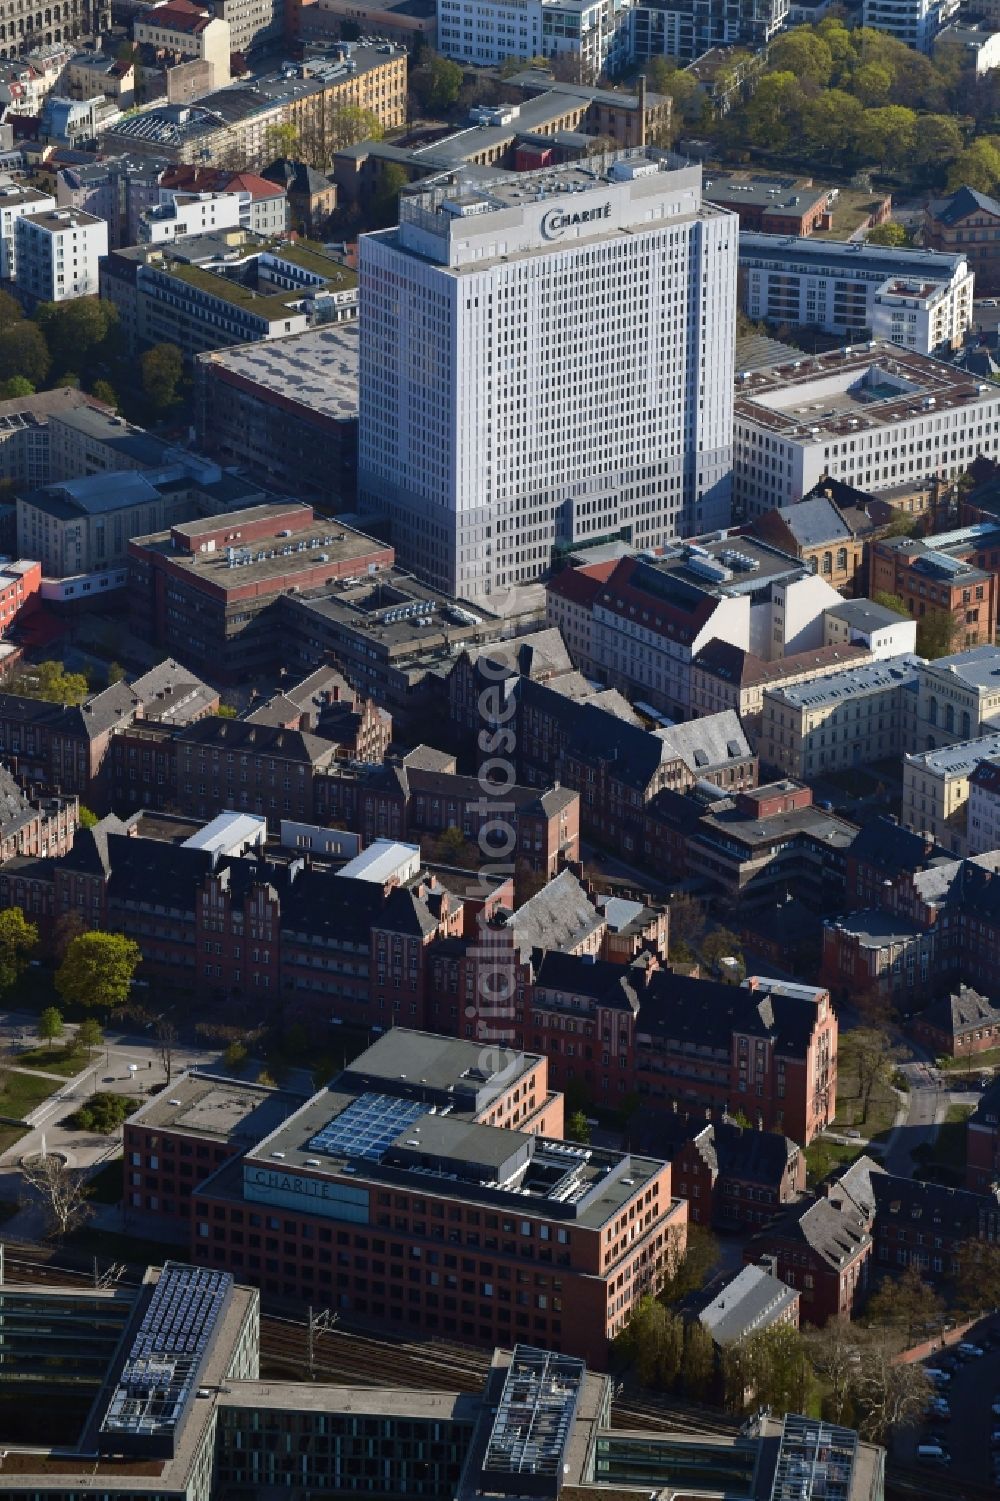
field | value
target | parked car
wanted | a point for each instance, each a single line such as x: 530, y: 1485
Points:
x: 969, y: 1350
x: 938, y: 1375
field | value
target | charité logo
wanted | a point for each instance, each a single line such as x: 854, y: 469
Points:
x: 558, y: 220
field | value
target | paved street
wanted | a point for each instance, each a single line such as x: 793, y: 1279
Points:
x: 926, y: 1107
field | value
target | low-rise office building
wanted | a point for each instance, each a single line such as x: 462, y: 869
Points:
x: 777, y: 205
x: 847, y: 718
x: 207, y: 587
x: 875, y: 417
x: 921, y: 299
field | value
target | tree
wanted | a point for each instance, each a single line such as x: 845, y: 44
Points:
x: 348, y: 125
x: 104, y: 391
x: 653, y: 1340
x: 833, y: 1355
x: 871, y: 83
x: 801, y: 52
x: 890, y: 233
x: 98, y: 970
x: 282, y: 140
x: 874, y: 1060
x: 166, y: 1037
x: 162, y: 368
x: 50, y: 1024
x: 978, y: 166
x: 698, y: 1361
x: 89, y: 1035
x: 578, y: 1127
x: 905, y: 1304
x: 17, y: 385
x: 104, y: 1112
x: 976, y: 1276
x: 62, y: 1190
x: 116, y: 673
x: 88, y: 818
x: 18, y: 938
x: 452, y: 848
x: 891, y: 602
x: 435, y: 84
x: 936, y: 633
x: 722, y: 944
x: 687, y: 926
x: 886, y: 137
x: 50, y: 681
x: 24, y: 352
x: 11, y: 310
x: 902, y: 525
x: 392, y: 179
x: 68, y: 925
x: 939, y: 143
x: 888, y: 1393
x: 235, y: 1055
x: 769, y: 1366
x: 76, y: 331
x: 688, y: 1262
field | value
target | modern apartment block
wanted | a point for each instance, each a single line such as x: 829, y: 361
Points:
x: 687, y: 29
x: 920, y: 299
x: 847, y: 718
x: 58, y: 254
x: 592, y: 34
x: 487, y: 443
x: 915, y: 22
x: 875, y: 417
x: 15, y: 201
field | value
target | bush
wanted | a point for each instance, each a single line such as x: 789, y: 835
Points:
x: 104, y: 1112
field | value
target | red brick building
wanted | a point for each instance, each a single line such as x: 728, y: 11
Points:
x: 822, y: 1245
x: 956, y: 573
x: 735, y: 1178
x: 959, y: 1025
x: 925, y: 1225
x: 982, y: 1143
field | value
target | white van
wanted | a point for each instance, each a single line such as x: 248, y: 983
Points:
x: 933, y: 1454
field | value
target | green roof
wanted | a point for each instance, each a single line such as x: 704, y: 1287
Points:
x: 267, y: 304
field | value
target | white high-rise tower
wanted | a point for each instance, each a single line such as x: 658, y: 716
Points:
x: 547, y: 358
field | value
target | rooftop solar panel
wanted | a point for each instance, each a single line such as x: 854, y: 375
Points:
x: 367, y: 1127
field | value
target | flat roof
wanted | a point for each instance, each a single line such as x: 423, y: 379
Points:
x: 869, y: 262
x: 870, y: 677
x: 317, y: 369
x: 977, y: 668
x: 853, y: 390
x: 217, y: 1108
x: 763, y: 190
x: 63, y: 219
x: 956, y: 760
x: 270, y: 560
x: 867, y: 614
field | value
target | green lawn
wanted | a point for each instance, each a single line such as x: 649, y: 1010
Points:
x: 882, y: 1100
x: 10, y: 1136
x: 971, y: 1065
x: 20, y: 1093
x: 106, y: 1184
x: 823, y: 1156
x: 52, y: 1060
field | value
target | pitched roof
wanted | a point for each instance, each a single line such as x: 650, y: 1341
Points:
x: 705, y: 744
x: 613, y: 985
x: 834, y: 1229
x: 560, y: 916
x: 886, y: 844
x: 962, y: 1011
x: 260, y: 739
x: 751, y: 1300
x: 89, y: 854
x: 581, y: 585
x: 814, y: 521
x: 687, y: 1011
x: 962, y: 203
x: 932, y: 1206
x: 296, y: 177
x: 538, y: 656
x: 741, y: 1152
x: 15, y: 809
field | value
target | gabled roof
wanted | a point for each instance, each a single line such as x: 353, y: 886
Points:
x: 613, y: 985
x: 931, y: 1207
x: 962, y: 203
x: 962, y: 1011
x: 560, y: 917
x: 741, y: 1152
x: 814, y: 521
x: 581, y: 585
x: 15, y: 809
x: 89, y: 854
x: 833, y: 1229
x: 258, y: 739
x: 752, y: 1300
x: 707, y: 1012
x: 886, y: 844
x: 708, y: 743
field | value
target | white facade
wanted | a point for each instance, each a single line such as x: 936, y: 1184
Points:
x: 487, y: 32
x: 861, y: 622
x: 921, y: 299
x: 59, y: 253
x: 915, y: 22
x: 547, y: 359
x: 980, y: 45
x: 875, y: 417
x: 14, y: 202
x: 936, y: 791
x: 180, y: 213
x: 983, y: 824
x: 208, y: 40
x: 847, y: 718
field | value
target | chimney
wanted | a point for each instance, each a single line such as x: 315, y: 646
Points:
x: 642, y: 108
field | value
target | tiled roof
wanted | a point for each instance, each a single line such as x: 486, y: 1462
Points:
x: 814, y: 521
x: 962, y: 1011
x: 560, y: 917
x: 680, y: 1009
x: 613, y: 985
x: 961, y: 204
